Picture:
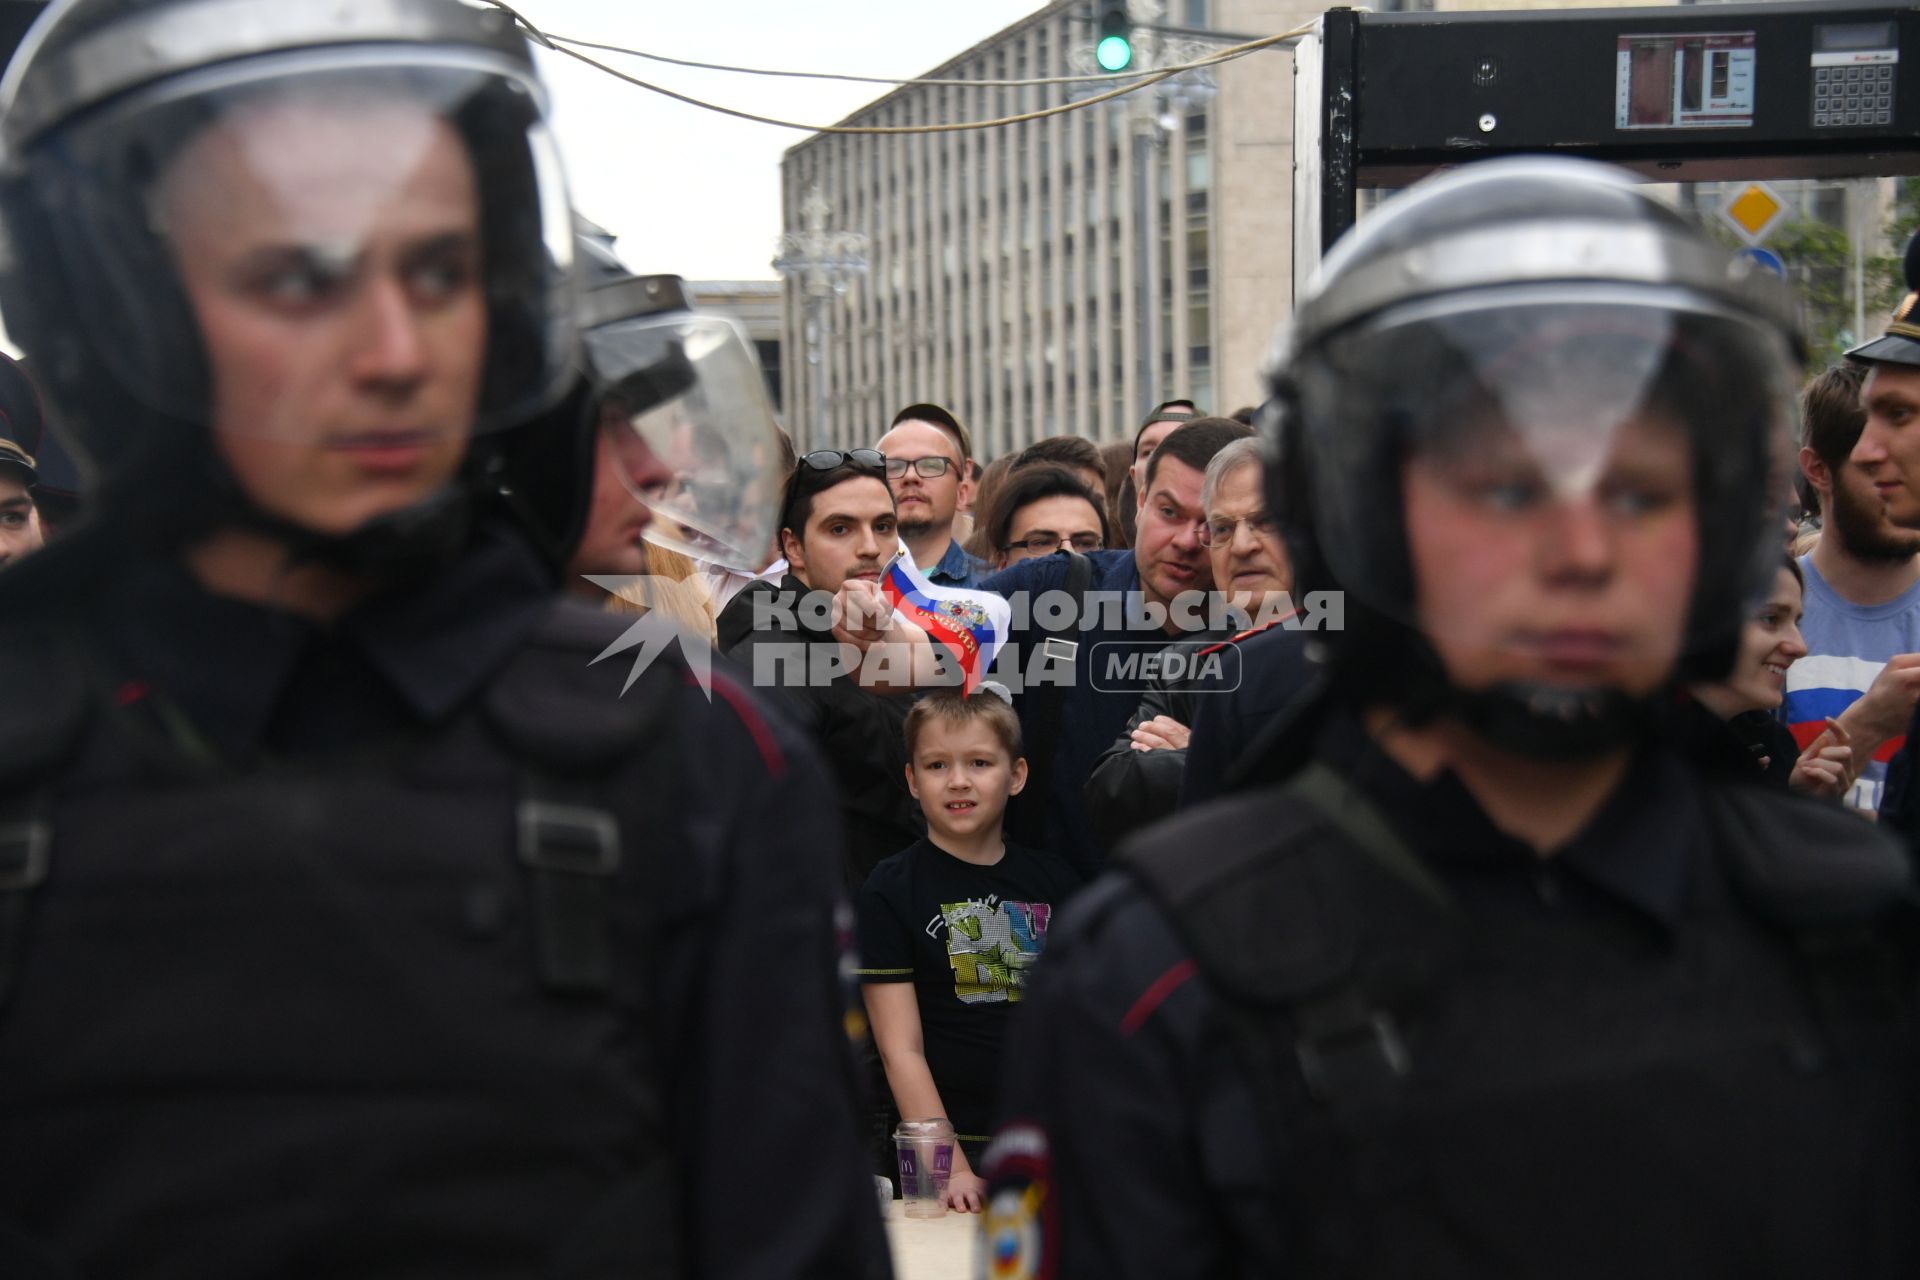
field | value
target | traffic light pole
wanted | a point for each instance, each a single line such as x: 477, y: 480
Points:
x: 1144, y: 128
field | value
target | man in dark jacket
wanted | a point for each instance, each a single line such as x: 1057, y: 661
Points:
x: 1134, y: 602
x: 837, y: 527
x: 1137, y: 781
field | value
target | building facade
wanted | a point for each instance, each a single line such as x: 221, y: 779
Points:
x: 754, y: 305
x: 1061, y: 276
x: 1052, y: 276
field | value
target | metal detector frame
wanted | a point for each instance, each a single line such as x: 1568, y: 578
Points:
x: 1382, y: 99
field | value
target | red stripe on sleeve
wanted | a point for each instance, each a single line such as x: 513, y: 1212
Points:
x: 1156, y: 995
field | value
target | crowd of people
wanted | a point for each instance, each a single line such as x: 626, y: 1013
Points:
x: 1440, y: 822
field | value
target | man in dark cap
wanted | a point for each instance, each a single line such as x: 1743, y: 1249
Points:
x: 1887, y: 453
x: 19, y: 523
x: 20, y: 430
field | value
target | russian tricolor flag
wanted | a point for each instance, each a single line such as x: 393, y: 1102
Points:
x: 971, y: 625
x: 1823, y: 685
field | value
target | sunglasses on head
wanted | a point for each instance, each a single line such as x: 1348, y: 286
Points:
x: 829, y: 459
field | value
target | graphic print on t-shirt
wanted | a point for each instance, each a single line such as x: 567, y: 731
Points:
x: 1847, y: 646
x: 991, y: 945
x: 1824, y: 685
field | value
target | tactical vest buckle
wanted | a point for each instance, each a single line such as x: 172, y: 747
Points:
x: 23, y: 855
x: 1365, y: 1054
x: 568, y: 838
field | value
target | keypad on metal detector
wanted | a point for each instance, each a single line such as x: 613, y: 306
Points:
x: 1852, y: 96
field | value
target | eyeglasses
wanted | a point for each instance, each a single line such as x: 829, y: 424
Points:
x: 1220, y: 532
x: 830, y: 459
x: 928, y: 467
x: 1045, y: 544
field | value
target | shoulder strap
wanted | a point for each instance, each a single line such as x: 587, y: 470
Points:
x: 43, y: 721
x: 571, y: 732
x: 1303, y: 902
x: 1366, y: 828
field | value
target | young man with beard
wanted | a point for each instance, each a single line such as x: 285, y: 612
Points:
x: 1862, y: 623
x: 927, y: 454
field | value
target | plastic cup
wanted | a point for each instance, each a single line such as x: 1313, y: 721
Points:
x: 925, y: 1151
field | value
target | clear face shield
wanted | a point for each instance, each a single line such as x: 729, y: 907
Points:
x: 363, y: 245
x: 684, y: 402
x: 1588, y: 481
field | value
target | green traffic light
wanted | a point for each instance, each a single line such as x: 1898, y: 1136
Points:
x: 1113, y: 53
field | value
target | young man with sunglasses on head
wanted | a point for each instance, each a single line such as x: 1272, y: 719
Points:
x: 927, y: 451
x: 806, y: 637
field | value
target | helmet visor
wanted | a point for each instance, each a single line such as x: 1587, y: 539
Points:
x: 698, y: 441
x: 1622, y: 452
x: 370, y: 244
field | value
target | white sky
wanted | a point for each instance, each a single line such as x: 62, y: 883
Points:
x: 695, y: 193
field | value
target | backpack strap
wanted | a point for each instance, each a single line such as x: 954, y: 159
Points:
x: 1287, y: 873
x: 1366, y: 828
x: 43, y: 721
x: 569, y: 732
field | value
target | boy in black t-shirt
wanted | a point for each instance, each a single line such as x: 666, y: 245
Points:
x: 950, y: 926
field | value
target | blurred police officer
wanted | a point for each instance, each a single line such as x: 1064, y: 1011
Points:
x: 1484, y: 981
x: 350, y: 923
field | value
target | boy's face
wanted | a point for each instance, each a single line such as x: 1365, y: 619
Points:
x: 962, y: 776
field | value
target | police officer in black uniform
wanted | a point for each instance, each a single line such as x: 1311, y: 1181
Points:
x: 351, y: 921
x: 1483, y: 981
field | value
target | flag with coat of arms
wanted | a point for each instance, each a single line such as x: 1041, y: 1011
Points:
x: 970, y: 625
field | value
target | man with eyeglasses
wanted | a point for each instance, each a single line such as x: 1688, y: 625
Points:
x: 1041, y: 509
x: 1137, y: 781
x: 1073, y: 705
x: 927, y: 452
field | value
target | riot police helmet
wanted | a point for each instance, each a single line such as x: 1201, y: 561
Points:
x: 215, y: 215
x: 1575, y: 362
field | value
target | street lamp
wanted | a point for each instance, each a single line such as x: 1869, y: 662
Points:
x: 821, y: 264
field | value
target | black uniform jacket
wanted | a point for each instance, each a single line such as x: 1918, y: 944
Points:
x: 1277, y: 667
x: 1137, y: 1141
x: 279, y: 1005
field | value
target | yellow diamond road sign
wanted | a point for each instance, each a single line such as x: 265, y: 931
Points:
x: 1753, y: 210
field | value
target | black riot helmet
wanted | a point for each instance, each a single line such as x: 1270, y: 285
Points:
x: 188, y: 188
x: 678, y: 400
x: 1516, y: 327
